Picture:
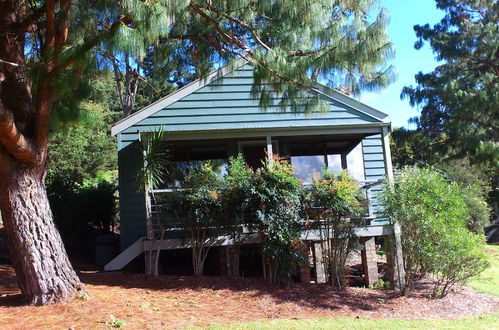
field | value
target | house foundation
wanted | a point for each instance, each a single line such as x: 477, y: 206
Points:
x: 304, y: 249
x: 369, y: 261
x: 394, y: 259
x: 320, y: 271
x: 228, y: 260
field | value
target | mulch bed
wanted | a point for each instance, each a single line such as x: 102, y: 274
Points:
x: 175, y: 302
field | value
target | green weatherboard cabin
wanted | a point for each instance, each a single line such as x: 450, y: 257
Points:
x: 217, y: 117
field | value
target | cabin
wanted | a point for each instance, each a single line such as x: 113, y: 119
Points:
x: 216, y: 117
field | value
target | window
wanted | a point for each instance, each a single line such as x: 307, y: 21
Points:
x: 310, y: 159
x: 334, y: 162
x: 355, y: 163
x: 186, y: 158
x: 306, y: 168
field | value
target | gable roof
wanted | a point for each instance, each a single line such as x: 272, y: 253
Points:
x: 168, y: 100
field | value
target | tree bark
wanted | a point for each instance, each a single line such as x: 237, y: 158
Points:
x: 43, y: 270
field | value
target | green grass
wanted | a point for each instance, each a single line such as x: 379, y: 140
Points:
x: 482, y: 322
x: 488, y: 281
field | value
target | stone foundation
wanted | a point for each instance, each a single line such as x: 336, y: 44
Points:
x: 369, y: 261
x: 320, y: 272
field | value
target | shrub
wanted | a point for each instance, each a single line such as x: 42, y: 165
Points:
x: 275, y: 212
x: 457, y: 259
x: 474, y: 183
x: 335, y: 204
x: 236, y: 202
x: 433, y: 216
x: 199, y: 209
x: 82, y: 211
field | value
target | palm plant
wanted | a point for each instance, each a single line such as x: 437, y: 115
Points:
x: 155, y: 167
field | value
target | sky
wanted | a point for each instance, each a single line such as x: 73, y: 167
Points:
x: 408, y: 61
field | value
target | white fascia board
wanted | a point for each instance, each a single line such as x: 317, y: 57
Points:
x: 353, y: 103
x: 172, y: 98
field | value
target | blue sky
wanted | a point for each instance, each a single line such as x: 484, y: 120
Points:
x: 408, y: 61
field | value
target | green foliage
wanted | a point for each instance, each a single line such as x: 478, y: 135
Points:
x: 152, y: 172
x: 156, y: 164
x: 433, y: 214
x: 412, y: 147
x: 166, y: 67
x: 276, y: 212
x: 115, y: 323
x: 271, y: 202
x: 291, y: 43
x: 81, y: 212
x: 488, y: 281
x: 474, y: 179
x: 236, y: 203
x: 460, y: 257
x: 382, y: 284
x: 474, y: 183
x: 267, y: 200
x: 237, y: 187
x: 82, y: 167
x: 199, y: 208
x: 80, y: 147
x: 459, y: 98
x: 203, y: 188
x: 78, y: 154
x: 335, y: 205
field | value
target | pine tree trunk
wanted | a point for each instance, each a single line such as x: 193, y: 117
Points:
x: 43, y: 270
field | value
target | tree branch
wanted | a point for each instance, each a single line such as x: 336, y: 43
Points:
x: 50, y: 34
x: 29, y: 22
x: 89, y: 45
x: 217, y: 27
x: 183, y: 37
x: 62, y: 31
x: 250, y: 29
x: 241, y: 45
x: 11, y: 63
x: 12, y: 140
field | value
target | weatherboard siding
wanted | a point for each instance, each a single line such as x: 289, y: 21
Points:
x: 374, y: 169
x: 226, y: 103
x: 132, y: 201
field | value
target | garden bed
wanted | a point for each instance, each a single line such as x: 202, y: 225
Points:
x: 178, y: 301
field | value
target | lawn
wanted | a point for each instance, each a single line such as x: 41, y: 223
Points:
x: 481, y: 322
x: 488, y: 281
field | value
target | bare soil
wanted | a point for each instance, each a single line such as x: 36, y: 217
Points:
x: 179, y: 301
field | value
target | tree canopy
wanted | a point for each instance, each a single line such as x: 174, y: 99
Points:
x: 295, y: 42
x: 460, y: 99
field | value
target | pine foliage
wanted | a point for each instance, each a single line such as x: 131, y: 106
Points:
x: 460, y: 98
x: 292, y: 44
